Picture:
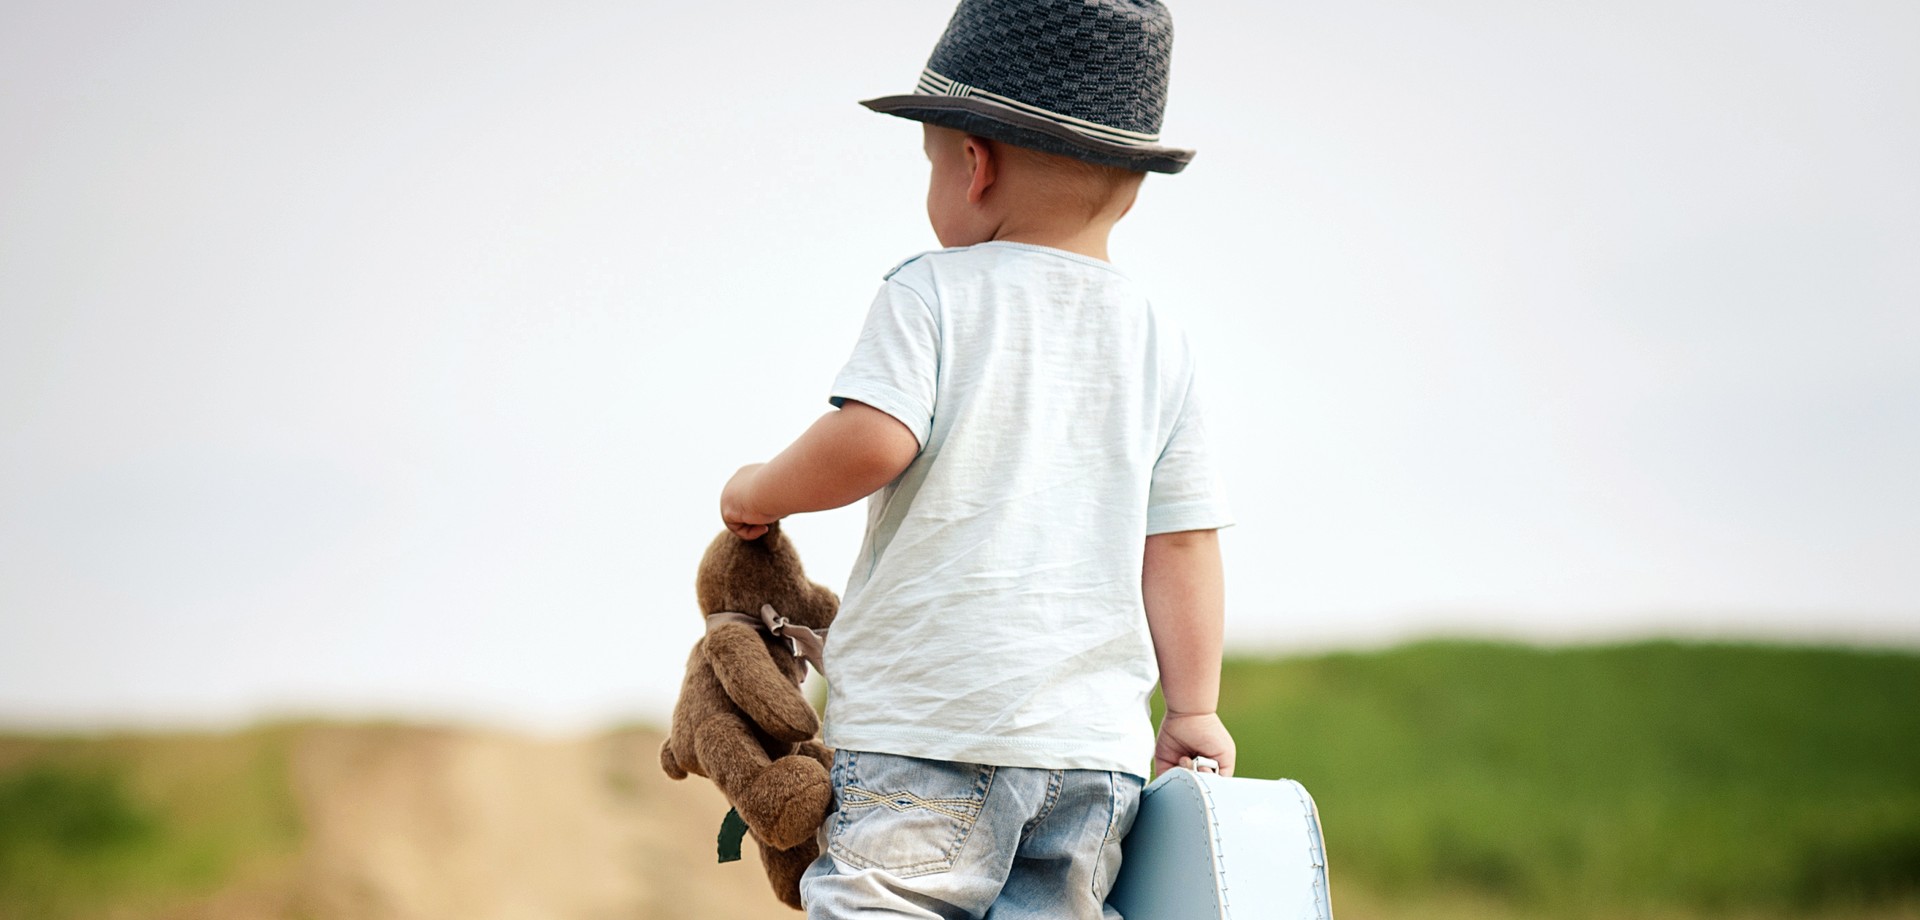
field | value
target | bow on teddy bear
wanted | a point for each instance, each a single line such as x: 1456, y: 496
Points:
x: 741, y: 720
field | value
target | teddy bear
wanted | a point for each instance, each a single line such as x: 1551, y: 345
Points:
x: 741, y: 720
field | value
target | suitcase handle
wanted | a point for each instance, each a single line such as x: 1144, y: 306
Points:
x: 1206, y: 765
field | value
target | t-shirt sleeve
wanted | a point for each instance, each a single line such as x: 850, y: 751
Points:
x: 1186, y: 493
x: 896, y: 361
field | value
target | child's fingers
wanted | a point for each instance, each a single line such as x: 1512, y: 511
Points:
x: 747, y: 531
x: 1183, y: 738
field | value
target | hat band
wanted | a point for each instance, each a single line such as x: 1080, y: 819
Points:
x: 934, y: 84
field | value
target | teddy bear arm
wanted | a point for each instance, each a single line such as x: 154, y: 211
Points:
x: 817, y: 751
x: 756, y: 684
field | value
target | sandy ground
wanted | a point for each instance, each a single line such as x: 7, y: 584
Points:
x: 410, y: 823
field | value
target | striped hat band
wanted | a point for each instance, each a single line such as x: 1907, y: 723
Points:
x: 933, y: 83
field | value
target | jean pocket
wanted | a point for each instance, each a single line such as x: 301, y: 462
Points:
x: 905, y: 815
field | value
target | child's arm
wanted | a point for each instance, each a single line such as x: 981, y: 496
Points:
x: 846, y: 456
x: 1185, y: 593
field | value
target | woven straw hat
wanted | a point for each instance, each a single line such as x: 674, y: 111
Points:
x: 1081, y: 78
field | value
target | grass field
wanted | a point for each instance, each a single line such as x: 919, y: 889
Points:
x: 1648, y: 779
x: 129, y: 822
x: 1653, y: 781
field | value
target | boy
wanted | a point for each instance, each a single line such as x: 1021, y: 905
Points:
x: 1042, y: 527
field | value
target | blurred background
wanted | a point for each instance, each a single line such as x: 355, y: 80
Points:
x: 368, y: 375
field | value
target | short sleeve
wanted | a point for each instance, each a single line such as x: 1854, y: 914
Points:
x: 895, y: 363
x: 1186, y: 493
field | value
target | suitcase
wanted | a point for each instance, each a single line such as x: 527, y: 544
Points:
x: 1210, y: 847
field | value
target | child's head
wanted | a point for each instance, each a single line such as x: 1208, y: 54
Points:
x: 979, y: 189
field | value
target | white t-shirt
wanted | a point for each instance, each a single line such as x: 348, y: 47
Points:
x: 994, y: 613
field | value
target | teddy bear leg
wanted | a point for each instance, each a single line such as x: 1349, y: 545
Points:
x: 784, y: 868
x: 783, y: 801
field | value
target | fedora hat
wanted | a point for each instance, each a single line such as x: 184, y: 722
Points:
x: 1080, y: 78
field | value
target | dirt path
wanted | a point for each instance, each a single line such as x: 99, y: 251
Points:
x: 409, y: 823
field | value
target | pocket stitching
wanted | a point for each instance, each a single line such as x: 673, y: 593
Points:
x: 958, y: 809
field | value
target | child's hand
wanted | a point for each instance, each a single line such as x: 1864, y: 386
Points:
x: 744, y: 522
x: 1184, y: 736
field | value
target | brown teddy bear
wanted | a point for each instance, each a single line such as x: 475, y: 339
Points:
x: 741, y: 720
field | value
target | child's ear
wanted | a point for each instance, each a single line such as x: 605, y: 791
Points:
x: 981, y: 168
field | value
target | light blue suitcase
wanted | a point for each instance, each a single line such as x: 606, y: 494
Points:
x: 1210, y: 847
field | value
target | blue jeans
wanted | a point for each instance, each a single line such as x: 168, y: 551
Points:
x: 931, y: 839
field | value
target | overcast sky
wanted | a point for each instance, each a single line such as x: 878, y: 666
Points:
x: 388, y: 357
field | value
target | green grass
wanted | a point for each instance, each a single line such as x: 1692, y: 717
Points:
x: 134, y: 822
x: 1717, y: 779
x: 66, y: 831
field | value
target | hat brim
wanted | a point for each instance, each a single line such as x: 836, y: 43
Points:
x: 994, y: 121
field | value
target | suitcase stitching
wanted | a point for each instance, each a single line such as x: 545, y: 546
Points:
x: 1322, y: 888
x: 1213, y: 844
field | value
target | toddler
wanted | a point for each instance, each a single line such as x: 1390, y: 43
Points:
x: 1040, y: 542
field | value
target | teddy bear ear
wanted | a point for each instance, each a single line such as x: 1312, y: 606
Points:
x: 825, y: 602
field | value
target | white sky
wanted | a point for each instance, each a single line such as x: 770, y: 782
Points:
x: 388, y: 357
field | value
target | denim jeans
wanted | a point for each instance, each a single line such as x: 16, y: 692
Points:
x: 931, y: 839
